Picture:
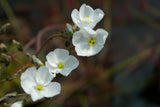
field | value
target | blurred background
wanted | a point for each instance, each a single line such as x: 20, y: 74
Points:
x: 124, y: 74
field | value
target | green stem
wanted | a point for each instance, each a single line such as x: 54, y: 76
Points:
x: 21, y: 94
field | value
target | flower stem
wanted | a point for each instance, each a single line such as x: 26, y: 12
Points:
x: 13, y: 94
x: 50, y: 38
x: 21, y: 94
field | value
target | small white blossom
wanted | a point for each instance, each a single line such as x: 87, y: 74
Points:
x: 59, y: 61
x: 86, y: 16
x: 89, y: 42
x: 17, y: 104
x: 38, y: 83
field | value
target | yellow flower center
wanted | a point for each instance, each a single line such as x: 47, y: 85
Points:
x: 86, y: 19
x: 38, y: 87
x: 60, y: 65
x: 91, y: 41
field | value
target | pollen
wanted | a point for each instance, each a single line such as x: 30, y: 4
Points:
x: 60, y: 65
x: 88, y: 20
x: 38, y: 87
x: 91, y: 41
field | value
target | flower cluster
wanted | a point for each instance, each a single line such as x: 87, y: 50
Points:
x: 87, y: 41
x: 37, y: 82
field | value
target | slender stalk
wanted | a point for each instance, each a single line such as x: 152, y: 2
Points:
x: 21, y: 94
x: 13, y: 94
x: 50, y: 38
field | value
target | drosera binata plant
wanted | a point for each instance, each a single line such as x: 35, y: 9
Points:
x: 36, y: 81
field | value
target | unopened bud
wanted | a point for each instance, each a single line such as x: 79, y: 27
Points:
x: 37, y: 61
x: 3, y: 48
x: 68, y: 30
x: 5, y: 59
x: 4, y: 27
x: 19, y: 45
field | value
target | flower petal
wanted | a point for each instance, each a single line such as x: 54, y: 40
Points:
x: 52, y: 58
x: 101, y: 36
x: 90, y: 25
x: 70, y: 64
x: 28, y: 78
x: 44, y: 76
x: 27, y: 84
x: 36, y: 95
x: 82, y: 49
x: 78, y: 38
x: 85, y: 11
x: 61, y: 54
x: 29, y: 73
x: 88, y: 32
x: 97, y: 15
x: 51, y: 89
x: 50, y: 67
x: 85, y: 50
x: 65, y: 71
x: 95, y: 50
x: 75, y: 17
x: 17, y: 104
x: 86, y: 16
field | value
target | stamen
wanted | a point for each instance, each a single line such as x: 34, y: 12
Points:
x: 38, y: 87
x: 60, y: 65
x: 91, y: 41
x: 90, y: 21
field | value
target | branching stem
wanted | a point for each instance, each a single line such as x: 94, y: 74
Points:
x: 50, y: 38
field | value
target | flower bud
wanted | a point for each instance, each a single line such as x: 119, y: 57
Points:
x: 4, y: 27
x: 37, y: 61
x: 5, y: 59
x: 68, y: 30
x: 18, y: 44
x: 3, y: 48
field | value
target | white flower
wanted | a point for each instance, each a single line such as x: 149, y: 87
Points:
x: 89, y: 42
x: 17, y: 104
x: 59, y: 61
x: 86, y: 16
x: 38, y: 83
